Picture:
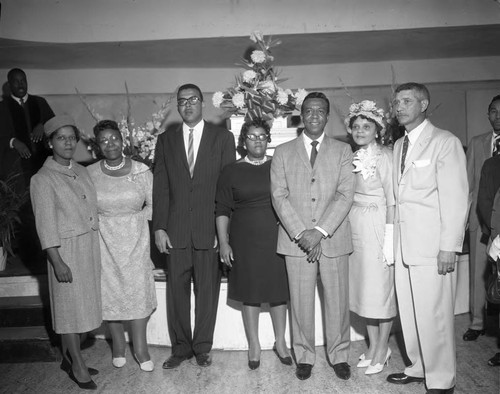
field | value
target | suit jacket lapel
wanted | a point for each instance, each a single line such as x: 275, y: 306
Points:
x: 420, y: 144
x: 180, y: 147
x: 204, y: 149
x: 487, y: 147
x: 301, y: 150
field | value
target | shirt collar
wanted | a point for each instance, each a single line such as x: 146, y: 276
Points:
x: 18, y: 100
x: 198, y: 128
x: 415, y: 133
x: 308, y: 140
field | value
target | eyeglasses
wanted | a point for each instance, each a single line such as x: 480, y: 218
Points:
x: 191, y: 100
x: 260, y: 137
x: 62, y: 138
x: 112, y: 138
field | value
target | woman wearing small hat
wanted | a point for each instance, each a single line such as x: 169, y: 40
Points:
x: 65, y: 206
x: 371, y: 269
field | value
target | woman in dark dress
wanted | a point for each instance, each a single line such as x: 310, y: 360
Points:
x: 257, y: 274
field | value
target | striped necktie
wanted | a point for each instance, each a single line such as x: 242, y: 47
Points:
x: 406, y: 141
x: 191, y: 153
x: 496, y: 145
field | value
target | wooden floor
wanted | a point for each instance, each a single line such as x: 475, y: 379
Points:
x: 229, y: 372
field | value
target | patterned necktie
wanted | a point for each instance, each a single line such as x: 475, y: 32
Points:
x: 406, y: 141
x: 314, y: 152
x: 496, y: 145
x: 191, y: 153
x: 26, y: 114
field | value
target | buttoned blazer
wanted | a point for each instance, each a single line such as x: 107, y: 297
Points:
x: 478, y: 150
x: 489, y: 183
x: 64, y: 203
x: 183, y: 206
x: 431, y: 195
x: 305, y: 197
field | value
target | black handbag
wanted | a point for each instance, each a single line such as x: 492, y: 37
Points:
x: 493, y: 287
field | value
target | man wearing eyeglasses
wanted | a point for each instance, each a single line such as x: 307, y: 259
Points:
x: 188, y: 162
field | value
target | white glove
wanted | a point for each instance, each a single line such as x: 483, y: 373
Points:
x: 494, y: 250
x: 388, y: 249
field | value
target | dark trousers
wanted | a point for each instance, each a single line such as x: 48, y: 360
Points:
x: 202, y: 267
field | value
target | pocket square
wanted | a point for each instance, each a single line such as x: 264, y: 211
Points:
x: 421, y: 163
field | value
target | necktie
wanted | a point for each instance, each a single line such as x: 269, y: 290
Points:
x: 191, y: 153
x: 496, y: 145
x: 314, y: 152
x: 405, y: 150
x: 26, y: 115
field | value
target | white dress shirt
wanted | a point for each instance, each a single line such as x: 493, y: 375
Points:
x: 197, y: 133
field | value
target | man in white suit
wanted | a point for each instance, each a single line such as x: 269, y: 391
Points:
x: 431, y: 190
x: 312, y: 187
x: 480, y: 148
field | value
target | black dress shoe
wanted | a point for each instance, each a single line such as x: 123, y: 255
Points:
x: 441, y: 391
x: 175, y: 361
x: 284, y: 360
x: 494, y: 361
x: 253, y: 364
x: 303, y: 371
x: 203, y: 359
x: 90, y: 385
x: 66, y: 366
x: 472, y: 335
x: 402, y: 378
x: 342, y: 370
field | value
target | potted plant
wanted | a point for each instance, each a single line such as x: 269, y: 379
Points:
x: 10, y: 204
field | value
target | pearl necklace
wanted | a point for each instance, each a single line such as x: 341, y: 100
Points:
x: 114, y: 168
x: 256, y: 162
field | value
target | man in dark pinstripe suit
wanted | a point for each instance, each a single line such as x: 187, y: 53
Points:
x: 188, y: 162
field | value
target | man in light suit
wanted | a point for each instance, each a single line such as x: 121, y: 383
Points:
x: 431, y: 190
x: 188, y: 162
x: 480, y: 148
x: 312, y: 187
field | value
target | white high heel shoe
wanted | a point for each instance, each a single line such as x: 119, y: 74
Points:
x: 377, y: 368
x: 146, y: 366
x: 119, y: 362
x: 363, y: 362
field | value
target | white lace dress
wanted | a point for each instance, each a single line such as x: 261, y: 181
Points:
x: 125, y: 206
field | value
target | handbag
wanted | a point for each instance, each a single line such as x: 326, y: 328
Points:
x: 493, y: 286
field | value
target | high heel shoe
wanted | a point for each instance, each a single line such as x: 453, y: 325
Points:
x: 119, y: 362
x: 377, y: 368
x: 363, y: 362
x: 66, y: 367
x: 90, y: 385
x: 146, y: 366
x: 287, y: 360
x: 253, y: 364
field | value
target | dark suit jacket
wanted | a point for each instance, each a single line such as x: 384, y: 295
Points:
x: 183, y: 206
x: 13, y: 125
x: 489, y: 184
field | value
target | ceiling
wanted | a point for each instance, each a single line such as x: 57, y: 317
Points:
x: 224, y: 52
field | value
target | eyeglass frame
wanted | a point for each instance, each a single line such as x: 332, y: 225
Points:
x: 189, y: 100
x: 260, y: 137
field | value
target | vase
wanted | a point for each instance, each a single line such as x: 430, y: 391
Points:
x: 3, y: 258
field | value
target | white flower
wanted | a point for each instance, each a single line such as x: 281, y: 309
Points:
x: 239, y: 100
x: 282, y: 97
x: 256, y: 36
x: 267, y: 86
x: 300, y: 95
x: 150, y: 126
x: 368, y: 105
x: 249, y: 76
x: 258, y: 56
x: 365, y: 161
x: 217, y: 99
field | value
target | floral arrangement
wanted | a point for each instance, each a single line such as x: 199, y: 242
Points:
x: 369, y: 110
x: 139, y: 141
x: 365, y: 161
x: 257, y: 93
x: 10, y: 203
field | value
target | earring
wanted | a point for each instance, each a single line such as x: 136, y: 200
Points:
x: 50, y: 146
x: 376, y: 135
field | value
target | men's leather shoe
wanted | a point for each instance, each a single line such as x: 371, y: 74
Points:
x: 303, y: 371
x: 175, y: 361
x: 203, y: 359
x: 494, y: 361
x: 472, y: 335
x: 402, y: 378
x: 441, y: 391
x: 342, y: 370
